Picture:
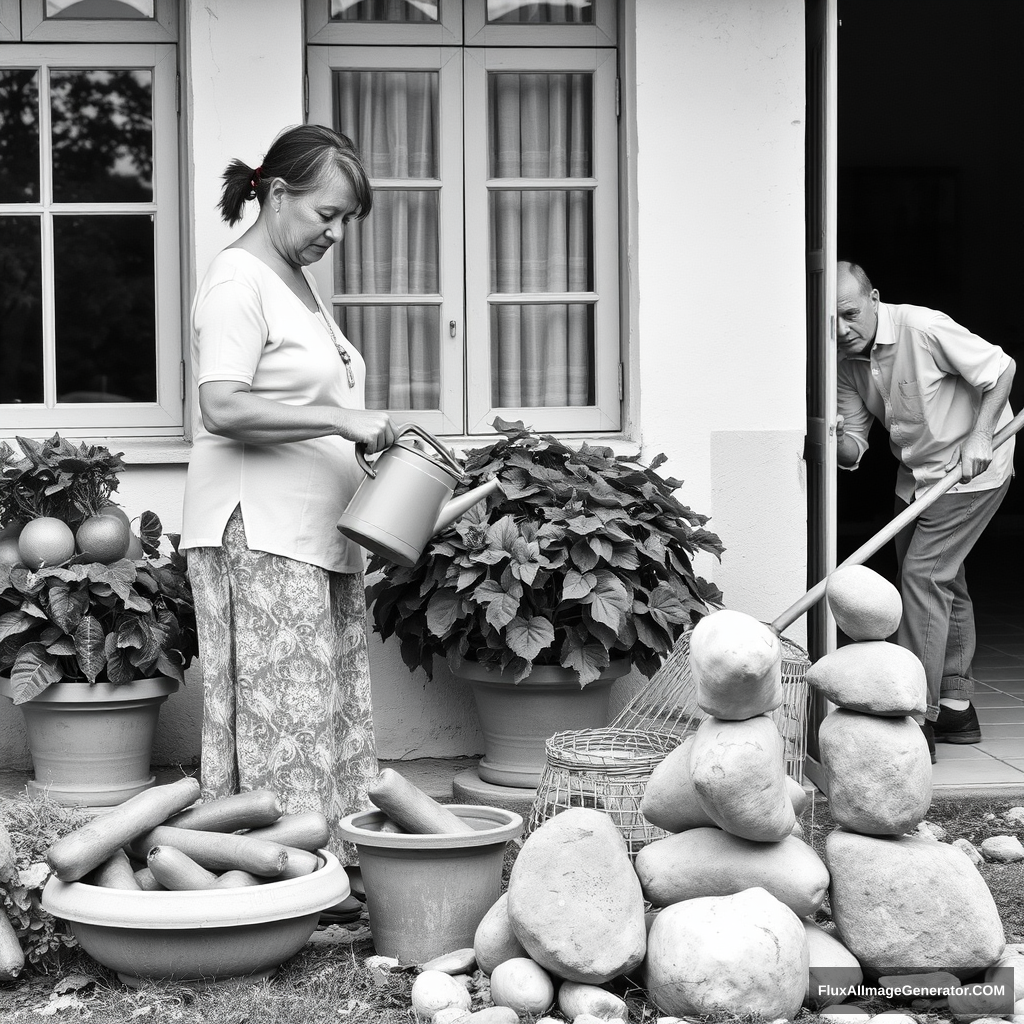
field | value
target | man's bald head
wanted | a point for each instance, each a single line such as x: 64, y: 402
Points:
x: 856, y: 309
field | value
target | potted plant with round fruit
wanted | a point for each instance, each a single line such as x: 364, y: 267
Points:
x: 576, y: 568
x: 96, y: 622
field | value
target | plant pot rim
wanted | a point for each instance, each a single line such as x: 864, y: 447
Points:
x: 82, y: 903
x: 86, y: 693
x: 500, y: 826
x: 539, y: 674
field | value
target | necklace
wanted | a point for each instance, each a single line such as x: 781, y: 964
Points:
x: 345, y: 357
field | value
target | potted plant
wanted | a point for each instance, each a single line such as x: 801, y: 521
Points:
x: 96, y: 624
x: 578, y: 567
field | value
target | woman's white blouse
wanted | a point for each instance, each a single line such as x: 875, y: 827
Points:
x: 248, y: 326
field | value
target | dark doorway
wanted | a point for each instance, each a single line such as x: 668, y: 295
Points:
x: 930, y: 203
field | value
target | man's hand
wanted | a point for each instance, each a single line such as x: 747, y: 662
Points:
x: 974, y: 455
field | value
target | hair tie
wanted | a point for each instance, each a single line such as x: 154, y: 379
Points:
x: 254, y: 181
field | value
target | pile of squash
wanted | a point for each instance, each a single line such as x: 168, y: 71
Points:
x: 163, y: 839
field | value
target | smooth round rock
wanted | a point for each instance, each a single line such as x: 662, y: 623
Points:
x: 670, y: 801
x: 878, y: 772
x: 866, y: 606
x: 911, y: 906
x: 875, y: 677
x: 574, y: 900
x: 830, y: 965
x: 1002, y: 849
x: 740, y: 954
x: 711, y: 862
x: 739, y: 775
x: 736, y: 663
x: 495, y: 941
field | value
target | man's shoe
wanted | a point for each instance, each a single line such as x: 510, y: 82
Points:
x: 929, y: 735
x: 957, y: 726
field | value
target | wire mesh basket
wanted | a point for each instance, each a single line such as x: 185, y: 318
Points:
x: 606, y: 770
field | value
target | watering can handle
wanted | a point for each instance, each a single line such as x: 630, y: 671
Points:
x: 412, y: 428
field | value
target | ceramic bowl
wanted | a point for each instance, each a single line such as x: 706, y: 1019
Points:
x: 202, y: 935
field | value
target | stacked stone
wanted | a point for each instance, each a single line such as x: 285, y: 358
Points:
x: 902, y: 904
x: 735, y: 884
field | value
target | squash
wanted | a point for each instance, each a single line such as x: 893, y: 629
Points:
x: 218, y: 851
x: 177, y: 871
x: 435, y: 990
x: 736, y: 662
x: 236, y: 880
x: 523, y: 985
x: 12, y: 958
x: 866, y: 606
x: 415, y: 811
x: 253, y: 809
x: 147, y: 881
x: 300, y: 862
x: 77, y: 853
x: 307, y: 830
x: 116, y: 872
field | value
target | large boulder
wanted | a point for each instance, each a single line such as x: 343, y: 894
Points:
x: 739, y: 954
x: 710, y: 862
x: 875, y: 677
x: 908, y: 905
x: 494, y: 941
x: 878, y: 772
x: 736, y: 662
x: 866, y: 605
x: 574, y: 900
x: 832, y: 969
x: 739, y: 775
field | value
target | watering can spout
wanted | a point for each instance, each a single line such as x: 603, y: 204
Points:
x: 463, y: 503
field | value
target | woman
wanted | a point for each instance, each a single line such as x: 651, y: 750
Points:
x: 278, y: 590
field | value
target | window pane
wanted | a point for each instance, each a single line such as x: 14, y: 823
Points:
x: 384, y: 10
x: 395, y: 250
x: 21, y: 316
x: 541, y: 241
x: 391, y: 116
x: 102, y: 136
x: 402, y: 349
x: 19, y: 136
x: 105, y: 308
x: 542, y: 355
x: 99, y: 9
x: 540, y: 125
x: 559, y: 12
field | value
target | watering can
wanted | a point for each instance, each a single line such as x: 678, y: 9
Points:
x: 406, y: 497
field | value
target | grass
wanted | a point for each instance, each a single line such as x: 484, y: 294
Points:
x: 328, y: 983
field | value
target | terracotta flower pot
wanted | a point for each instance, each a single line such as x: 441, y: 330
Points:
x: 202, y: 935
x: 426, y: 894
x: 91, y: 745
x: 518, y: 718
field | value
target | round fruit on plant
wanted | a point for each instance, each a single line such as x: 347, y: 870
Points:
x: 46, y: 541
x: 103, y: 538
x: 9, y: 553
x: 135, y: 550
x: 117, y: 512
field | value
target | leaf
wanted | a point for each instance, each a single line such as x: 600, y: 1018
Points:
x: 577, y: 585
x: 528, y: 637
x: 89, y: 647
x: 33, y: 671
x: 443, y: 611
x: 666, y: 609
x: 502, y: 608
x: 67, y: 606
x: 609, y: 600
x: 585, y: 658
x: 13, y: 623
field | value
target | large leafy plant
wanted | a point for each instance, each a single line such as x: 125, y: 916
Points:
x: 86, y: 621
x: 582, y: 556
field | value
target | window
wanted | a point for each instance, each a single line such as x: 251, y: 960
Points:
x: 485, y: 281
x: 90, y: 316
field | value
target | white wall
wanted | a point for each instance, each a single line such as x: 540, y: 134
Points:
x: 718, y: 341
x: 720, y: 136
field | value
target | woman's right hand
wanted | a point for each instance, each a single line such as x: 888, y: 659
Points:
x: 372, y: 428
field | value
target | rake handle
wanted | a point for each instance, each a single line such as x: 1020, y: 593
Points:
x: 908, y: 515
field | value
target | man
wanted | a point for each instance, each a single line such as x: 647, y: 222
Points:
x: 942, y: 394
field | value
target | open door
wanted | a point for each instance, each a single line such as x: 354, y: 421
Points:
x: 820, y: 453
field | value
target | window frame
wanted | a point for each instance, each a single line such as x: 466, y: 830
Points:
x: 321, y: 30
x: 605, y: 413
x: 27, y: 20
x: 603, y: 31
x: 322, y: 61
x: 164, y: 416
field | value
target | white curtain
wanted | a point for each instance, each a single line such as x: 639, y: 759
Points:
x: 539, y: 126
